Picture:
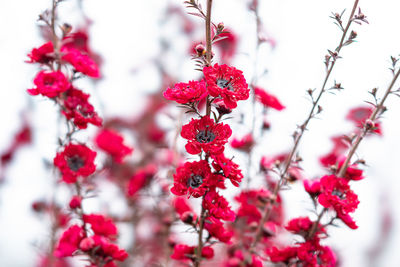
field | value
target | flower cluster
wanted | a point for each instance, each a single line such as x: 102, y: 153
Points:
x: 206, y: 137
x: 62, y: 61
x: 76, y: 240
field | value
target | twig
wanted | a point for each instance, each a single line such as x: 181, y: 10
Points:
x: 367, y: 127
x: 200, y: 239
x: 298, y: 135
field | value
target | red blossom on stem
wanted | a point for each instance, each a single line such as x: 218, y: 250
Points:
x: 74, y: 161
x: 81, y: 62
x: 193, y: 179
x: 204, y: 134
x: 267, y: 99
x: 226, y: 82
x: 78, y: 109
x: 113, y: 143
x: 49, y: 83
x: 184, y: 93
x: 42, y: 54
x: 229, y: 169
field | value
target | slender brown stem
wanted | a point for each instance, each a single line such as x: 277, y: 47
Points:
x: 298, y: 135
x: 378, y: 109
x: 198, y: 258
x: 208, y: 33
x: 200, y: 239
x: 252, y: 85
x: 55, y: 39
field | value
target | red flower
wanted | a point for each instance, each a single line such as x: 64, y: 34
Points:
x: 251, y: 200
x: 218, y: 206
x: 69, y: 241
x: 106, y: 250
x: 184, y: 210
x: 81, y: 62
x: 41, y: 54
x: 228, y: 167
x: 360, y: 115
x: 336, y: 194
x: 313, y: 188
x: 101, y: 225
x: 22, y: 137
x: 75, y: 202
x: 244, y: 144
x: 302, y: 226
x: 140, y: 179
x: 226, y: 82
x: 78, y: 109
x: 267, y: 100
x: 78, y: 40
x: 49, y: 83
x: 237, y: 259
x: 299, y: 224
x: 227, y: 46
x: 184, y: 93
x: 308, y: 254
x: 185, y: 252
x: 193, y: 179
x: 281, y: 255
x: 112, y: 142
x: 74, y: 161
x: 352, y: 171
x: 216, y: 229
x: 205, y: 134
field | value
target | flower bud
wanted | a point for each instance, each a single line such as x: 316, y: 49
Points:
x: 76, y: 202
x: 86, y: 244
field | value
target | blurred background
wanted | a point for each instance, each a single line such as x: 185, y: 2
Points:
x: 127, y: 35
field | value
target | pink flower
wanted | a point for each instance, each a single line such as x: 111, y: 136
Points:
x: 101, y: 225
x: 81, y: 62
x: 184, y: 93
x: 113, y: 143
x: 244, y: 144
x: 69, y: 241
x: 226, y: 82
x: 108, y: 251
x: 184, y: 210
x: 42, y: 54
x: 229, y: 169
x: 185, y: 252
x: 78, y: 109
x: 216, y: 229
x: 74, y: 161
x: 227, y: 46
x: 49, y: 83
x: 204, y: 134
x: 267, y: 99
x: 218, y: 206
x: 360, y: 115
x: 140, y: 179
x: 302, y: 225
x: 75, y: 202
x: 336, y: 194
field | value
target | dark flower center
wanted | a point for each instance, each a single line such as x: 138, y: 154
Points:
x: 75, y: 163
x: 340, y: 194
x: 195, y: 180
x: 225, y: 84
x: 205, y: 136
x: 49, y: 81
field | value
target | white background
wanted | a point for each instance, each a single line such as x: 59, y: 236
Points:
x: 125, y: 34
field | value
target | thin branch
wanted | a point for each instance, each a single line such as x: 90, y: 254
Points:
x: 298, y: 135
x: 367, y: 127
